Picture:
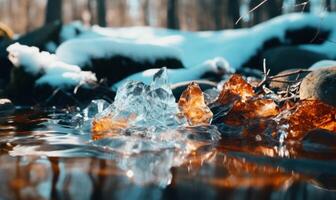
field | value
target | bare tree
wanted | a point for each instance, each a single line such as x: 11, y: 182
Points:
x: 172, y: 14
x: 328, y: 5
x: 145, y: 5
x: 265, y: 10
x: 256, y: 14
x: 53, y: 11
x: 124, y: 16
x: 101, y: 12
x: 234, y: 13
x: 274, y: 8
x: 217, y: 12
x: 302, y: 6
x: 188, y: 15
x: 204, y: 15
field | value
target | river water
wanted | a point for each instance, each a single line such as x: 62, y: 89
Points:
x: 45, y: 155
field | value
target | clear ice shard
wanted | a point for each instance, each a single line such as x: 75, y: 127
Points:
x: 96, y: 106
x: 151, y: 106
x: 146, y: 128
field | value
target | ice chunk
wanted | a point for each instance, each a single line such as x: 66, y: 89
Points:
x: 130, y: 100
x: 148, y: 158
x: 146, y: 130
x: 193, y: 106
x: 160, y: 80
x: 151, y: 106
x: 96, y: 106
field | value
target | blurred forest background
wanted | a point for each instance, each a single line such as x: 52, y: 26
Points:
x: 25, y: 15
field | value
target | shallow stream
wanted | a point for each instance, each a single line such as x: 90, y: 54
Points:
x: 45, y: 155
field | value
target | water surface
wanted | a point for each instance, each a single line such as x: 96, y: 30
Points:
x: 45, y: 154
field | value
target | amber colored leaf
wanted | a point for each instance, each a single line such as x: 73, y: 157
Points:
x: 107, y: 126
x: 235, y: 87
x: 251, y: 109
x: 248, y: 110
x: 193, y: 106
x: 310, y: 115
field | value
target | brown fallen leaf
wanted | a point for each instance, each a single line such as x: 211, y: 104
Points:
x: 192, y: 105
x: 236, y: 87
x: 310, y: 115
x: 250, y: 111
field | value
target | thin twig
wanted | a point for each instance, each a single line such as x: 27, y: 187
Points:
x: 299, y: 71
x: 289, y: 98
x: 266, y: 73
x: 281, y: 81
x: 249, y: 12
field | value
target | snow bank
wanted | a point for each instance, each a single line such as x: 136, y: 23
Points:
x: 73, y: 30
x: 81, y: 51
x: 193, y: 48
x: 216, y: 65
x: 237, y: 46
x: 54, y: 72
x: 30, y: 57
x: 66, y: 79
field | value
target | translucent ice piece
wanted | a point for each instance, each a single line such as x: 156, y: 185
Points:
x: 131, y: 98
x: 96, y: 106
x: 136, y: 140
x: 160, y: 80
x: 151, y: 106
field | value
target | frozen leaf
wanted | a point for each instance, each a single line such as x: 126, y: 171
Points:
x: 236, y: 87
x: 310, y: 115
x: 251, y: 109
x: 106, y: 126
x: 260, y: 108
x: 248, y: 111
x: 147, y: 118
x: 193, y: 106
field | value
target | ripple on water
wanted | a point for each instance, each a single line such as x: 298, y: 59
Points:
x: 188, y: 154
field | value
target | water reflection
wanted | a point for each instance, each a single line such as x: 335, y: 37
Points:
x: 61, y: 166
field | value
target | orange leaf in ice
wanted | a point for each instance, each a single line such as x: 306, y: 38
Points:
x: 236, y: 86
x: 108, y: 126
x: 252, y: 109
x: 193, y: 106
x: 310, y: 115
x: 249, y: 111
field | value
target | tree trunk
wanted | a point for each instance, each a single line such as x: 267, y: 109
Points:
x: 256, y: 14
x: 53, y: 11
x: 328, y: 5
x: 234, y: 13
x: 217, y: 12
x: 145, y: 11
x: 101, y: 12
x: 266, y: 11
x: 302, y: 6
x: 274, y: 8
x: 172, y: 14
